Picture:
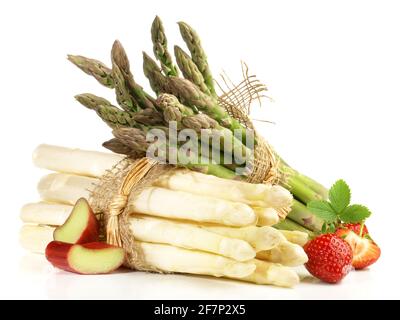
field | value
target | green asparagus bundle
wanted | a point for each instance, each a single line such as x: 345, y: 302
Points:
x: 184, y: 103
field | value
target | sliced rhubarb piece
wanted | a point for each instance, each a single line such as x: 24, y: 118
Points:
x: 80, y: 227
x: 88, y: 258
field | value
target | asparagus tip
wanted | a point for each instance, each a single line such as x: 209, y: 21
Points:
x: 183, y: 26
x: 72, y: 58
x: 117, y: 43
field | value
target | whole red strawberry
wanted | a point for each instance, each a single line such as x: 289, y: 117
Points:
x: 329, y: 257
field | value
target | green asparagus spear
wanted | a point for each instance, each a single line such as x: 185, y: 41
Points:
x: 300, y: 214
x: 120, y: 59
x: 149, y: 117
x: 94, y: 68
x: 160, y: 48
x: 310, y: 183
x: 299, y: 189
x: 110, y: 114
x: 116, y: 146
x: 190, y: 70
x: 153, y: 73
x: 290, y: 225
x: 124, y: 98
x: 199, y: 57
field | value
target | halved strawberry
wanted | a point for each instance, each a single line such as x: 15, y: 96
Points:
x: 356, y: 228
x: 365, y: 251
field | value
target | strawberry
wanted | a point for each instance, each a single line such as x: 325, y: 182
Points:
x: 356, y: 228
x: 365, y: 251
x: 329, y: 257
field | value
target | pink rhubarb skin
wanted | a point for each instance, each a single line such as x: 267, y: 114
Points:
x: 57, y: 253
x: 91, y: 233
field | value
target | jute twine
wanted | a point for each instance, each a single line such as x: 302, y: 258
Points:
x: 123, y: 183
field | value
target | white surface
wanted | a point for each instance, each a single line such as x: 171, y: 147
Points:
x: 34, y: 278
x: 332, y: 68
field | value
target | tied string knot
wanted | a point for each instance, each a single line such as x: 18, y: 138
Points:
x: 116, y: 207
x: 119, y: 201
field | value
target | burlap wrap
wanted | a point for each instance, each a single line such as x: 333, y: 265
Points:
x: 121, y: 184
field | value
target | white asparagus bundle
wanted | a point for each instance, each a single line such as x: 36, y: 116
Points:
x: 272, y: 273
x: 94, y: 164
x: 65, y: 188
x: 287, y: 253
x: 188, y: 236
x: 260, y: 238
x: 193, y: 198
x: 296, y: 237
x: 35, y: 238
x: 264, y: 195
x: 74, y: 161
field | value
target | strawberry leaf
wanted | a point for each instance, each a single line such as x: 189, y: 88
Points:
x: 339, y: 196
x: 355, y: 213
x: 323, y: 210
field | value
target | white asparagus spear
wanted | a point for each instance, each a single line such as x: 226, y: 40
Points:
x: 156, y: 230
x: 272, y: 273
x: 35, y: 238
x: 264, y: 195
x: 53, y: 214
x: 172, y: 259
x: 74, y: 161
x: 266, y: 216
x: 296, y: 237
x: 260, y: 238
x: 287, y: 253
x: 65, y: 188
x: 161, y: 202
x: 184, y: 205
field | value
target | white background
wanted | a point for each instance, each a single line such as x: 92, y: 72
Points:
x: 332, y: 68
